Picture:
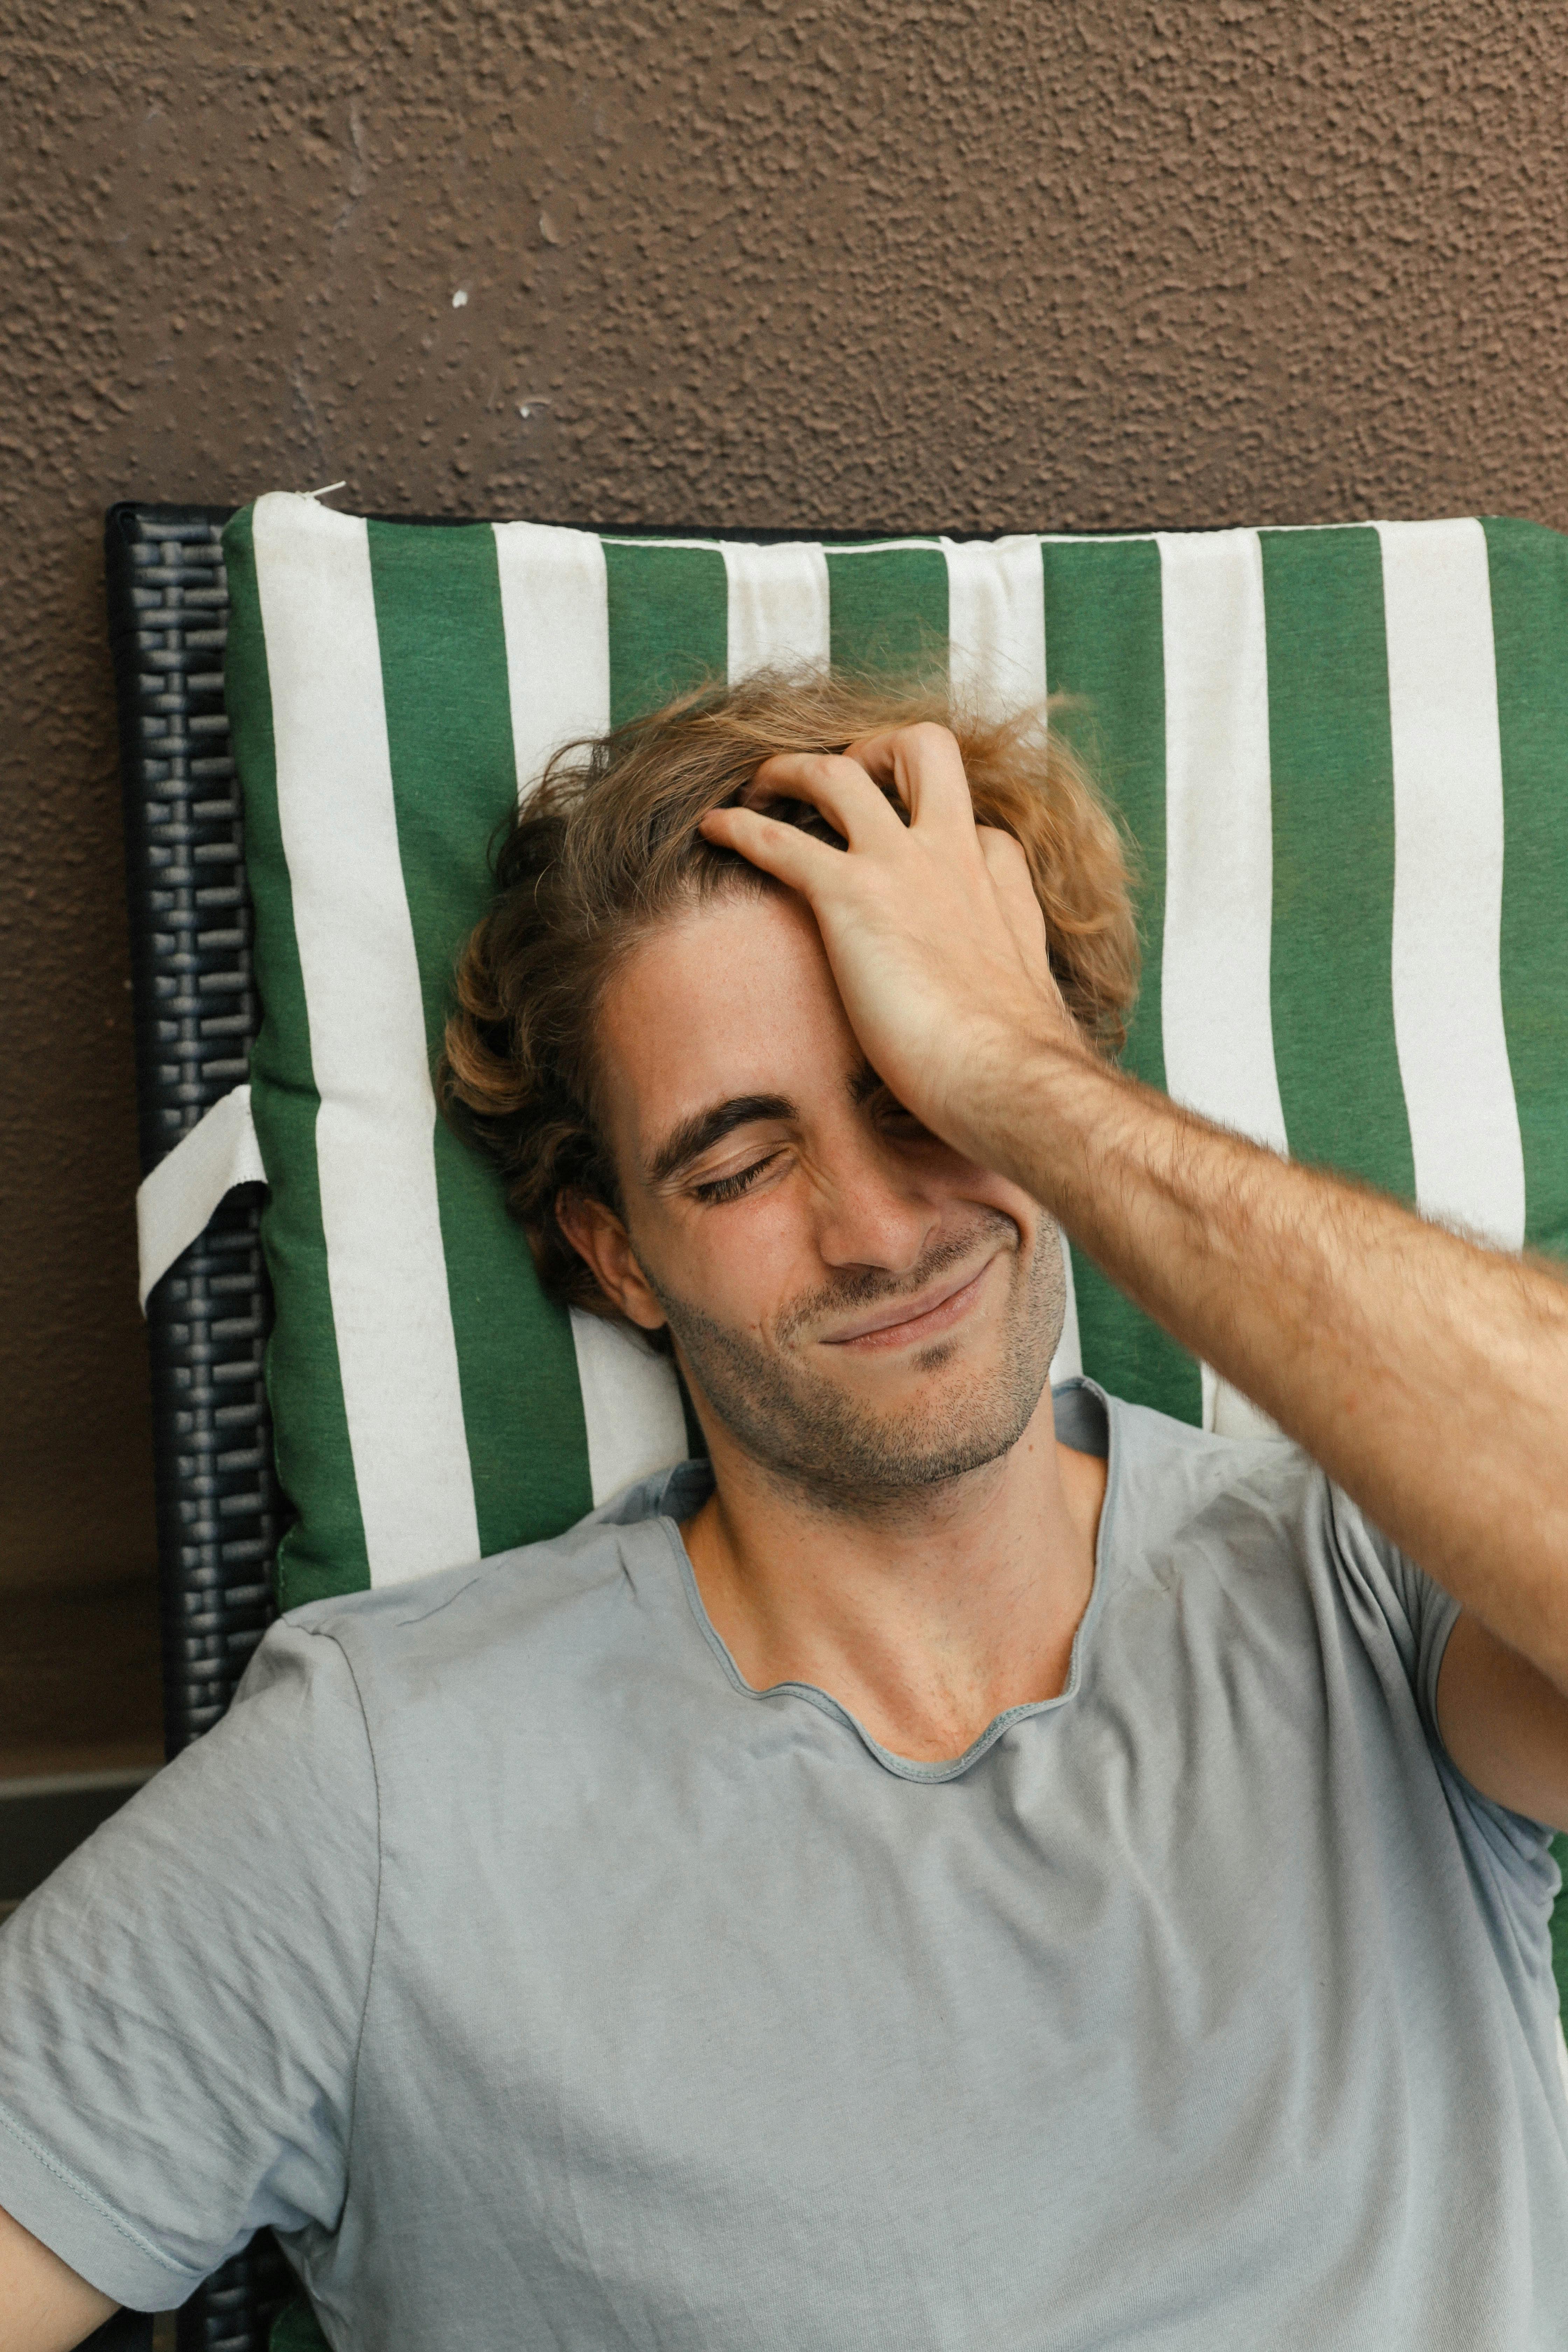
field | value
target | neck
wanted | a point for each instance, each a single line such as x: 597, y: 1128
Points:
x: 924, y: 1620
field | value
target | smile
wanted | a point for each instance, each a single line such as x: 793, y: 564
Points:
x: 895, y: 1327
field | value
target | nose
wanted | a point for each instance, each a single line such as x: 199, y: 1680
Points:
x: 870, y: 1211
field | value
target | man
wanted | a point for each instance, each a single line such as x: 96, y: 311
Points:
x: 963, y: 1870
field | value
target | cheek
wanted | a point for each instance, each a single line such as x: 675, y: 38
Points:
x: 741, y: 1264
x: 996, y: 1192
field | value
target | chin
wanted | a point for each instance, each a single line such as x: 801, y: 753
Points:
x: 866, y: 1458
x: 932, y: 1384
x: 874, y: 1433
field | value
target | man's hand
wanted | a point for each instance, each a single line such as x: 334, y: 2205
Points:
x: 1429, y: 1376
x: 933, y: 928
x: 43, y: 2305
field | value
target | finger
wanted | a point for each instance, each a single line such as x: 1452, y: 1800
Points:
x: 839, y: 789
x: 783, y: 850
x: 925, y: 767
x: 1014, y: 885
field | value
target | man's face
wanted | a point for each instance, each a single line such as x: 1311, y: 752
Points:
x: 864, y: 1312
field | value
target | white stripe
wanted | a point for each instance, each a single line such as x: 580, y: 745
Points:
x: 778, y: 607
x: 1219, y: 835
x: 1230, y: 1414
x: 1067, y: 1361
x: 1447, y: 877
x: 996, y: 623
x: 996, y: 664
x: 386, y: 1270
x: 555, y: 615
x: 1219, y: 850
x: 631, y: 1405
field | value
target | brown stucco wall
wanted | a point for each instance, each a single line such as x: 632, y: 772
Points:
x: 910, y: 263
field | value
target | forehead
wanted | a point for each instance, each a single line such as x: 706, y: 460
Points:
x: 732, y: 998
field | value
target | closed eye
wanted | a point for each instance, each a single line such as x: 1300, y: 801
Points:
x: 869, y: 1093
x: 903, y: 1124
x: 729, y: 1188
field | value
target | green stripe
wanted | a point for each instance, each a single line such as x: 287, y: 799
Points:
x: 297, y: 2329
x: 1529, y: 568
x: 669, y: 622
x: 1332, y: 757
x: 1105, y: 648
x: 887, y: 609
x: 324, y: 1551
x: 448, y: 724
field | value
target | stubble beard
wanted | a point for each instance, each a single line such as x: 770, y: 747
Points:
x: 838, y: 1452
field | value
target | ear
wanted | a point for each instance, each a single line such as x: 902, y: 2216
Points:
x: 601, y: 1242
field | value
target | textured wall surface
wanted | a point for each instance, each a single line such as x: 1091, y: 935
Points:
x: 903, y: 263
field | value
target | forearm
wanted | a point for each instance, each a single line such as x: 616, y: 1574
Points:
x: 1427, y: 1375
x: 43, y: 2305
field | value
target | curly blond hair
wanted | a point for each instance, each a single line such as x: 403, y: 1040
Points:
x: 607, y: 847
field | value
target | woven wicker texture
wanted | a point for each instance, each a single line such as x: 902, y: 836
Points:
x: 196, y: 1010
x: 220, y: 1510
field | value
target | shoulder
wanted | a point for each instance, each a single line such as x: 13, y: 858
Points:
x: 1188, y: 1474
x: 547, y: 1617
x: 1253, y: 1519
x: 1261, y: 1509
x: 507, y: 1584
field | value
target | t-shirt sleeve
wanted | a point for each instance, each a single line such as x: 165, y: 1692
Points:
x: 181, y: 2002
x: 1385, y: 1590
x: 1390, y: 1599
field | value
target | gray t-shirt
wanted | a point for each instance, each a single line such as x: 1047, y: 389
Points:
x: 548, y: 1987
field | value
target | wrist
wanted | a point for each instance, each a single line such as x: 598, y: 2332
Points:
x: 1026, y: 1103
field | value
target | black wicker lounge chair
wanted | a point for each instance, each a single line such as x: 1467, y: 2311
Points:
x: 219, y: 1508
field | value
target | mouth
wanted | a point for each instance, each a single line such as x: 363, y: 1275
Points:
x: 904, y: 1323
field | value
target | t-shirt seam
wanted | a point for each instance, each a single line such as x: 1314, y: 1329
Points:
x: 87, y: 2195
x: 375, y: 1923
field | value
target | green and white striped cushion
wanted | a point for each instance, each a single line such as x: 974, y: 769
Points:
x: 1344, y: 755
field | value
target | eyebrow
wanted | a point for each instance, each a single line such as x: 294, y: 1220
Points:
x: 704, y: 1129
